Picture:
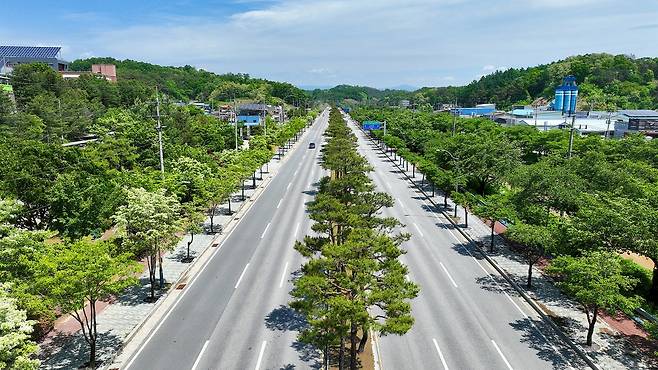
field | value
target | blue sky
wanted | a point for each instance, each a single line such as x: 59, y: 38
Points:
x: 380, y: 43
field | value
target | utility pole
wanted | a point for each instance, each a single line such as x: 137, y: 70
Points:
x: 159, y: 128
x: 607, y: 130
x: 384, y: 128
x: 454, y: 119
x: 573, y: 124
x: 235, y: 122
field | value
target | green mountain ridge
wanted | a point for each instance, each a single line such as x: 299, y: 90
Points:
x: 606, y: 82
x: 189, y: 83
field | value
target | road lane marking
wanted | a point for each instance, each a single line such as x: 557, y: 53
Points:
x: 447, y: 273
x: 283, y: 275
x: 443, y: 360
x: 279, y: 204
x: 265, y: 231
x: 296, y: 230
x: 295, y: 174
x: 515, y: 305
x: 241, y: 275
x: 288, y: 187
x: 198, y: 357
x: 502, y: 355
x: 260, y: 355
x: 419, y: 232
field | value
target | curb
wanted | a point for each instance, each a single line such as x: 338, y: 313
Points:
x: 377, y: 363
x: 514, y: 285
x: 226, y: 231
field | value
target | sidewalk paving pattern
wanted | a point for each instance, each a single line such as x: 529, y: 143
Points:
x: 611, y: 350
x: 65, y: 348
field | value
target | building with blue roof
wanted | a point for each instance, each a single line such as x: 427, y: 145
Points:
x: 10, y: 56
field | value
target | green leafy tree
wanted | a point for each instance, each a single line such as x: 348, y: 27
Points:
x: 534, y: 242
x: 494, y: 208
x: 148, y: 223
x: 16, y: 348
x: 76, y: 277
x: 594, y: 280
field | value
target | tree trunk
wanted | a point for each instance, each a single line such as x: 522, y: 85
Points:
x: 161, y: 271
x: 341, y: 353
x: 653, y: 292
x: 229, y: 205
x: 151, y: 266
x: 93, y: 335
x: 413, y: 170
x: 92, y: 354
x: 212, y: 218
x: 261, y: 173
x: 529, y: 286
x: 364, y: 340
x: 188, y: 245
x: 455, y: 203
x: 433, y: 190
x: 353, y: 347
x: 465, y: 217
x: 253, y: 180
x: 491, y: 247
x: 592, y: 323
x: 243, y: 198
x: 445, y: 200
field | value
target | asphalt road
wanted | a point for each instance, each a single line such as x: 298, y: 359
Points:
x: 235, y: 316
x: 467, y: 317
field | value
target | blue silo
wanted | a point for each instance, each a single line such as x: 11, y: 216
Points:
x: 559, y: 99
x: 566, y: 96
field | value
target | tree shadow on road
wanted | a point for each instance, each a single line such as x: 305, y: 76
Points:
x: 71, y: 351
x: 284, y: 318
x: 549, y: 347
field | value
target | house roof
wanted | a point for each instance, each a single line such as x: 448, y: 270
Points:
x: 29, y: 51
x: 260, y: 107
x: 639, y: 113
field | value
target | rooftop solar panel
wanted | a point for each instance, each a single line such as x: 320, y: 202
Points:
x: 29, y: 51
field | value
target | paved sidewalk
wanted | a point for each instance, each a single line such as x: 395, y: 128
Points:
x: 65, y: 348
x: 611, y: 349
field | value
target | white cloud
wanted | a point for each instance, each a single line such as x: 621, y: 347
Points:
x: 375, y: 42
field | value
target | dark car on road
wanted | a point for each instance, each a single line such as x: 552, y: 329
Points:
x: 311, y: 146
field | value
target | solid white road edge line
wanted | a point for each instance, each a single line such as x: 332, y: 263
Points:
x: 283, y: 275
x: 279, y: 204
x: 419, y: 232
x: 265, y: 231
x: 515, y: 305
x: 447, y: 273
x: 180, y: 297
x: 443, y: 360
x: 241, y: 275
x: 198, y: 357
x: 260, y: 355
x: 296, y: 230
x: 288, y: 187
x: 502, y: 355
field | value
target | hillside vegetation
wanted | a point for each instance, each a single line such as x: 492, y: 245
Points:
x: 606, y: 82
x: 54, y: 197
x: 188, y: 83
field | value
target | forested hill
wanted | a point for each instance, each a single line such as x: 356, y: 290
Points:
x: 606, y: 82
x: 188, y: 83
x: 358, y: 93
